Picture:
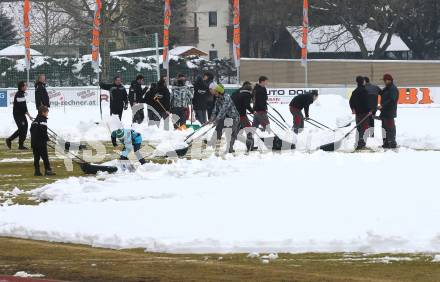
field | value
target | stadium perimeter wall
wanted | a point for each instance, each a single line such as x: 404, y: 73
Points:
x: 71, y: 97
x: 340, y: 73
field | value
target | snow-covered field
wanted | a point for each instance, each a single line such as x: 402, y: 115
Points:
x: 417, y: 127
x: 291, y: 202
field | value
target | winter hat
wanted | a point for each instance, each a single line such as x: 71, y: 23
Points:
x: 360, y: 80
x: 120, y: 133
x: 220, y: 89
x: 388, y: 76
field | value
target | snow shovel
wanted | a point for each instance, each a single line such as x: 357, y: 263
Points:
x: 277, y: 122
x: 195, y: 131
x: 280, y: 115
x: 67, y: 144
x: 92, y: 169
x: 277, y: 143
x: 191, y: 124
x: 86, y: 167
x: 331, y: 147
x: 182, y: 152
x: 318, y: 124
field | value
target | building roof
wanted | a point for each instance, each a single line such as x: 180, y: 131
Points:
x: 133, y: 51
x: 17, y: 50
x: 184, y: 51
x: 322, y: 39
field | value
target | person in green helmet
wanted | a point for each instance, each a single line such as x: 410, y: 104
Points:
x: 131, y: 140
x: 225, y: 115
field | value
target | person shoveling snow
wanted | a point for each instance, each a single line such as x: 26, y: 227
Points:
x: 131, y: 140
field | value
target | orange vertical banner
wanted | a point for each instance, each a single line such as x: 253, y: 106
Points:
x: 236, y: 41
x: 166, y: 33
x: 27, y: 33
x: 305, y: 35
x: 95, y: 36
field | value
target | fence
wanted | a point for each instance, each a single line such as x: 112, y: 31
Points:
x: 69, y: 64
x: 287, y: 73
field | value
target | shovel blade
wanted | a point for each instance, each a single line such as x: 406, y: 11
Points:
x: 179, y: 152
x: 88, y: 168
x: 331, y: 147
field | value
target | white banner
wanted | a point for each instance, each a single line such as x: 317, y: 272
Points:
x: 66, y: 96
x: 89, y: 96
x: 408, y: 96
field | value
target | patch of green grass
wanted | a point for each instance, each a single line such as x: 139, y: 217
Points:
x: 19, y: 171
x: 81, y: 263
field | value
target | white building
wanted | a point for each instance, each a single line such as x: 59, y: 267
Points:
x: 210, y: 19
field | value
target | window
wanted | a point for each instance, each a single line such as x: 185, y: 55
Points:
x: 212, y: 19
x: 213, y: 55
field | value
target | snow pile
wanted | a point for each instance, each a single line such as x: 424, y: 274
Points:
x: 266, y: 203
x: 24, y: 274
x: 16, y: 160
x: 388, y: 259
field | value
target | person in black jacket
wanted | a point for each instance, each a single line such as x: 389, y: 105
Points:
x: 260, y: 104
x: 200, y: 100
x: 208, y: 79
x: 136, y: 99
x: 373, y: 99
x: 39, y: 140
x: 360, y: 106
x: 296, y: 106
x: 242, y: 99
x: 118, y: 96
x: 41, y: 95
x: 152, y: 107
x: 158, y: 100
x: 20, y: 111
x: 388, y: 108
x: 163, y: 98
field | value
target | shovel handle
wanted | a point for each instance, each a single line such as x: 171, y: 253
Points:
x: 160, y: 104
x: 362, y: 121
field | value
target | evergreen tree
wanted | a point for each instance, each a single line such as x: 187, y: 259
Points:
x: 7, y: 30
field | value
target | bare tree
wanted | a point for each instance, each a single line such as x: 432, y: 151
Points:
x: 113, y: 24
x: 146, y: 17
x: 263, y: 21
x: 50, y: 24
x: 421, y: 29
x: 382, y: 16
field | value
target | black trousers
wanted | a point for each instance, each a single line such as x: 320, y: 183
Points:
x: 40, y: 152
x: 117, y: 112
x: 181, y: 113
x: 21, y: 132
x: 371, y: 119
x: 201, y: 116
x: 210, y: 108
x: 138, y: 117
x: 389, y: 126
x: 153, y: 116
x: 361, y: 129
x: 298, y: 120
x: 235, y: 129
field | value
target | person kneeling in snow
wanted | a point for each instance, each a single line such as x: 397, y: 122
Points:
x: 225, y: 114
x: 131, y: 140
x: 297, y: 104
